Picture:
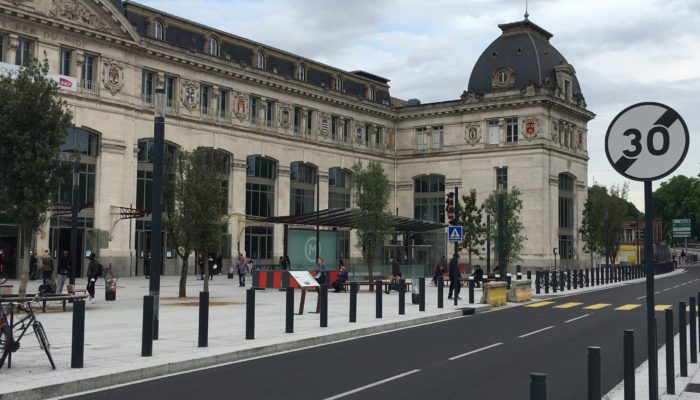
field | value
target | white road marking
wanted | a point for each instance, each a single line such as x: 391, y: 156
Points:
x: 475, y: 351
x: 657, y: 292
x: 371, y: 385
x: 537, y: 331
x: 676, y: 287
x: 639, y: 298
x: 666, y: 290
x: 574, y: 319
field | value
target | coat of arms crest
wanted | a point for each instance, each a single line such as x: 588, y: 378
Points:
x: 285, y: 117
x: 472, y: 134
x: 113, y: 76
x: 530, y: 128
x: 189, y: 95
x: 324, y: 123
x: 240, y: 108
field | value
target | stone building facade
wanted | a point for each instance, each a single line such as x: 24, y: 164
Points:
x: 278, y: 121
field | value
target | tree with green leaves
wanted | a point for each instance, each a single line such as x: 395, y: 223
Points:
x: 373, y: 223
x: 34, y: 123
x: 603, y: 216
x: 513, y: 232
x: 679, y: 197
x: 195, y: 222
x: 473, y: 226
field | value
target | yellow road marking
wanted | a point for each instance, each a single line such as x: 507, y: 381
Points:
x: 597, y: 306
x: 662, y: 307
x: 568, y: 305
x: 540, y: 304
x: 628, y: 307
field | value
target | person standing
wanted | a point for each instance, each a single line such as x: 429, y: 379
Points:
x: 287, y: 263
x: 212, y: 265
x: 47, y: 267
x: 320, y: 271
x: 200, y: 264
x: 395, y: 275
x: 147, y: 265
x: 454, y: 277
x: 32, y: 265
x: 242, y: 269
x: 93, y: 273
x: 219, y: 264
x: 63, y: 269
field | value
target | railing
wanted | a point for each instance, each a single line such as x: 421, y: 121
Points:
x: 89, y: 86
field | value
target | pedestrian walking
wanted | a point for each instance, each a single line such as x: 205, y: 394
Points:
x: 395, y: 275
x: 93, y: 272
x: 33, y: 261
x: 63, y: 269
x: 454, y: 277
x: 47, y: 267
x: 212, y: 265
x: 147, y: 265
x: 219, y: 264
x: 242, y: 270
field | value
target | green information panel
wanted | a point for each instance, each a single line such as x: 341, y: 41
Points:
x: 302, y: 248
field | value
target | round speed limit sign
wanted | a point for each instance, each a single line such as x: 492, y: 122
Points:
x: 647, y: 141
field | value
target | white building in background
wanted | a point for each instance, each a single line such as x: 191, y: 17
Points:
x: 279, y: 120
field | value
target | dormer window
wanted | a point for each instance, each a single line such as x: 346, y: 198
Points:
x: 370, y: 93
x: 213, y: 47
x: 260, y: 60
x: 338, y: 84
x: 158, y: 30
x: 301, y: 72
x: 503, y: 77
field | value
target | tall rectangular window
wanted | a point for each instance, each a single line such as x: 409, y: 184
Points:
x: 148, y: 86
x: 222, y: 103
x: 494, y: 132
x: 378, y: 137
x: 66, y: 57
x: 368, y: 133
x: 502, y: 178
x: 269, y: 113
x: 170, y: 91
x: 24, y: 52
x: 346, y: 131
x: 2, y: 48
x: 204, y: 94
x: 254, y: 104
x: 89, y: 73
x: 309, y: 121
x: 334, y: 128
x: 436, y: 139
x: 511, y: 130
x: 421, y: 138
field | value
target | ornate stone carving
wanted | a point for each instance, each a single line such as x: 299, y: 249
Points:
x: 579, y: 138
x: 555, y: 130
x: 189, y: 95
x: 80, y: 14
x: 359, y: 132
x: 324, y: 124
x: 389, y: 139
x: 503, y: 77
x: 113, y: 76
x: 531, y: 128
x: 285, y: 117
x: 240, y: 108
x: 472, y: 133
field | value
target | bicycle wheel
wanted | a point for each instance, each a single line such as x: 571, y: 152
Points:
x: 6, y: 343
x: 3, y: 278
x: 43, y: 341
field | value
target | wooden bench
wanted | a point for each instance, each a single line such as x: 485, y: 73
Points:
x: 63, y: 298
x: 370, y: 285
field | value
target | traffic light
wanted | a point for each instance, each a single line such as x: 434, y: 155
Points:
x: 450, y: 207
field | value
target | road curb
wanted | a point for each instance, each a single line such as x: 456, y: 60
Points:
x: 118, y: 378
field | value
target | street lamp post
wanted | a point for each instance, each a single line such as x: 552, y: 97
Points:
x: 554, y: 251
x: 74, y: 225
x: 156, y: 204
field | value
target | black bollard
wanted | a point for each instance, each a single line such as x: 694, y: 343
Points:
x: 421, y: 293
x: 597, y: 276
x: 353, y: 301
x: 594, y: 388
x: 471, y: 290
x: 693, y: 332
x: 78, y: 339
x: 147, y: 331
x: 670, y: 370
x: 518, y: 272
x: 628, y: 361
x: 568, y: 279
x: 402, y: 298
x: 538, y: 386
x: 576, y: 279
x: 378, y: 294
x: 439, y: 292
x: 203, y: 319
x: 289, y: 320
x: 324, y: 305
x: 538, y: 277
x: 250, y: 314
x: 546, y: 282
x: 562, y: 281
x: 698, y: 321
x: 683, y: 338
x: 529, y: 275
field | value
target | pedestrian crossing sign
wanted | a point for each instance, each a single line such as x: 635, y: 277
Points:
x: 454, y: 234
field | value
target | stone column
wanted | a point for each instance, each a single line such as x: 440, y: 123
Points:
x: 237, y: 196
x: 282, y: 190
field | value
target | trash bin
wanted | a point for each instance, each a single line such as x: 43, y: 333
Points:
x: 415, y: 290
x: 110, y: 288
x: 230, y: 272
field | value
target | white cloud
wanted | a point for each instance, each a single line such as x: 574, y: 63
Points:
x: 624, y: 51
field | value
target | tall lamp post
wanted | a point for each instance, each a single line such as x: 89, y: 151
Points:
x: 156, y: 204
x: 554, y: 251
x: 74, y: 225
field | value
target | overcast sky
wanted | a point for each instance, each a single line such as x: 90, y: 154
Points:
x: 624, y: 51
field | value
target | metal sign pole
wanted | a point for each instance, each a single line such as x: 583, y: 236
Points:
x: 649, y: 264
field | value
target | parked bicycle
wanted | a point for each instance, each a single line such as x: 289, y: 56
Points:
x: 15, y: 321
x: 579, y: 278
x: 553, y: 279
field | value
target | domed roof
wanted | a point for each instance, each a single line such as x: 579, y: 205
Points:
x: 520, y: 56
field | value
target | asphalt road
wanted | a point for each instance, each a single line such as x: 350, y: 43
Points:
x: 485, y: 356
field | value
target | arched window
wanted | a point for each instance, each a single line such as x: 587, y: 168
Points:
x: 302, y: 188
x: 260, y: 202
x: 566, y: 217
x: 301, y: 72
x: 429, y: 198
x: 338, y: 84
x: 158, y: 30
x: 213, y: 47
x: 339, y: 188
x: 370, y: 93
x: 260, y: 60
